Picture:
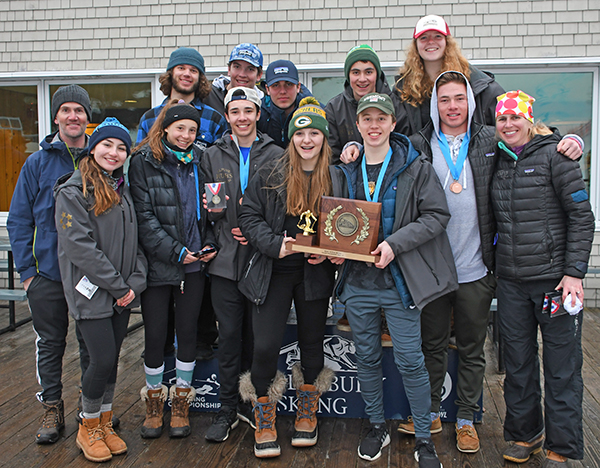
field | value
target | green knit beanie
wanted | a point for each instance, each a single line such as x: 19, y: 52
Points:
x: 361, y: 53
x: 309, y: 115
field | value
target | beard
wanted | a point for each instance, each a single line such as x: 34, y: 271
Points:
x: 179, y: 89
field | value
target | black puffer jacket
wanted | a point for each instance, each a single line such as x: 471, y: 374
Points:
x: 545, y: 220
x: 261, y: 219
x: 484, y: 88
x: 341, y: 116
x: 482, y: 157
x: 160, y: 217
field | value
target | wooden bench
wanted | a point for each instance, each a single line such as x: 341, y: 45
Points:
x: 12, y: 296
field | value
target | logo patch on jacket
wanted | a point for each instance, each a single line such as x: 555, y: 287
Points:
x: 223, y: 175
x: 529, y: 171
x: 65, y: 220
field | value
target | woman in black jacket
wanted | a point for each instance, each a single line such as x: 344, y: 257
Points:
x: 276, y: 198
x: 545, y: 231
x: 103, y: 273
x: 167, y: 190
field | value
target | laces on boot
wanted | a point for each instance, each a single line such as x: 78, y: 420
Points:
x: 307, y: 403
x: 51, y: 417
x: 265, y: 415
x: 95, y: 434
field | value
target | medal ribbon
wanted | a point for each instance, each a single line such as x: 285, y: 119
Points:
x: 455, y: 169
x: 386, y: 163
x: 214, y: 187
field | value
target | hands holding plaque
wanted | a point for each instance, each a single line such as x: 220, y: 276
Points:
x: 346, y: 229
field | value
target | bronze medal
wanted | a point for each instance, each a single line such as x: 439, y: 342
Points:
x: 455, y: 187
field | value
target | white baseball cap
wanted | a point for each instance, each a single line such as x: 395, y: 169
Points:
x: 431, y: 23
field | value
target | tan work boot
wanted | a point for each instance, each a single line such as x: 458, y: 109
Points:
x: 408, y: 427
x: 155, y: 404
x: 90, y: 439
x: 181, y: 397
x: 115, y: 444
x: 265, y: 435
x: 305, y: 426
x: 52, y: 423
x: 467, y: 440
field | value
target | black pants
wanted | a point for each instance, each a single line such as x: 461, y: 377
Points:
x: 471, y: 306
x: 103, y: 339
x: 50, y: 317
x: 235, y: 337
x: 207, y: 324
x: 155, y: 311
x: 520, y: 314
x: 269, y: 323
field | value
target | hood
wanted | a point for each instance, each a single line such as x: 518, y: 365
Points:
x: 480, y: 79
x: 435, y: 115
x: 222, y: 81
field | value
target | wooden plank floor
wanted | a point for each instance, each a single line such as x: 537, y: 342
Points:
x: 338, y: 439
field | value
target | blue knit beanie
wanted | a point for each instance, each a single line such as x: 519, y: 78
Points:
x: 110, y: 128
x: 186, y: 56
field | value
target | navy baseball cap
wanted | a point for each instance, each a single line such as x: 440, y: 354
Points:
x: 248, y: 53
x: 282, y: 70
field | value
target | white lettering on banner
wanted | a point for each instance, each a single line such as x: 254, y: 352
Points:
x: 337, y: 406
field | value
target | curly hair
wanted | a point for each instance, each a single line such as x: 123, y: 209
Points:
x: 201, y: 92
x: 414, y: 85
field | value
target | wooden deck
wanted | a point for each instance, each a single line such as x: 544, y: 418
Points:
x: 338, y: 440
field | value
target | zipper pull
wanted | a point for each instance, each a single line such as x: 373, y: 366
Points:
x: 181, y: 286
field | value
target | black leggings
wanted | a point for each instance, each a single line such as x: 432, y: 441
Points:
x: 103, y: 339
x: 269, y: 323
x: 155, y: 310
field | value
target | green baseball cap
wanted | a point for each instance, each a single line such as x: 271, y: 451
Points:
x: 383, y: 102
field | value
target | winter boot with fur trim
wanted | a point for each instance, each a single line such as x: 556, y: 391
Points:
x: 305, y: 427
x: 265, y: 435
x: 90, y: 439
x: 115, y: 444
x: 181, y: 397
x: 155, y: 404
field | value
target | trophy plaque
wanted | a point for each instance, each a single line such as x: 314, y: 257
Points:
x: 346, y: 228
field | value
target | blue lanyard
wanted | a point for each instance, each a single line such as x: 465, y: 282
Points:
x: 244, y: 168
x: 386, y: 163
x: 455, y: 169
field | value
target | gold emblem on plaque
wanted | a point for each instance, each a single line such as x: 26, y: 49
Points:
x: 329, y: 232
x: 364, y: 232
x: 307, y: 221
x: 346, y: 224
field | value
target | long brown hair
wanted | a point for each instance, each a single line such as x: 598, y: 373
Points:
x: 202, y: 91
x: 415, y: 85
x: 304, y: 192
x: 91, y: 174
x: 156, y: 134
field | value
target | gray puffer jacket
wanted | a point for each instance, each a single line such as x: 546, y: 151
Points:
x: 104, y: 249
x: 545, y: 220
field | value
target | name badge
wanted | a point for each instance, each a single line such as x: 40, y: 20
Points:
x: 86, y: 287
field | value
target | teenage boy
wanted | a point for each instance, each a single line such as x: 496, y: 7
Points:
x: 185, y: 80
x: 233, y: 160
x: 32, y: 233
x: 243, y: 70
x: 462, y: 153
x: 284, y: 93
x: 363, y: 76
x: 415, y: 268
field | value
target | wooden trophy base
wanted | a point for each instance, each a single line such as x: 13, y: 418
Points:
x: 307, y: 244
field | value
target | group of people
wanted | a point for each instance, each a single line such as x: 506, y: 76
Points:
x: 477, y: 200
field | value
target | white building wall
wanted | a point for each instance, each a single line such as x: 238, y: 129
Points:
x: 47, y: 35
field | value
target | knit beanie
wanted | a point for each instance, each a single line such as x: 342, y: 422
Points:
x: 186, y: 56
x: 361, y: 53
x: 515, y: 103
x: 309, y: 115
x: 181, y: 112
x: 71, y: 93
x: 110, y: 128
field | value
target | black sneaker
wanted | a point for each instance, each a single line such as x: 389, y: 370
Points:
x: 225, y: 420
x: 426, y: 455
x: 246, y: 414
x: 373, y: 442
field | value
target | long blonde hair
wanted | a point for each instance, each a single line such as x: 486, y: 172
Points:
x: 415, y: 85
x: 304, y: 192
x: 105, y: 196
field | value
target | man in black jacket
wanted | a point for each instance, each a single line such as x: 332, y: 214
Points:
x: 462, y: 154
x: 233, y: 160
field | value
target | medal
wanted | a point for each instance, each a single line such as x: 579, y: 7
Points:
x: 214, y: 189
x: 455, y: 187
x: 371, y: 188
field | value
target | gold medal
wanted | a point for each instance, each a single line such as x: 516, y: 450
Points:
x: 371, y: 188
x: 455, y: 187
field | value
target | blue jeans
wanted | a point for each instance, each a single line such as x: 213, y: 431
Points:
x: 363, y: 309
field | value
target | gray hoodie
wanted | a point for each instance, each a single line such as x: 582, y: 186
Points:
x: 463, y: 228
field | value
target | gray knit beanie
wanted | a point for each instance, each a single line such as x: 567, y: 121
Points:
x: 71, y: 93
